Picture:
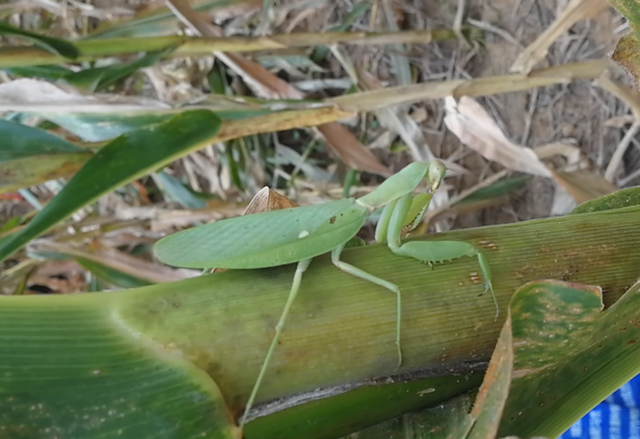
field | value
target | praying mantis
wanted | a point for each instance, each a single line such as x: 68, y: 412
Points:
x: 299, y: 234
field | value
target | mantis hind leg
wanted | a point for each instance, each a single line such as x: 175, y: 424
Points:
x: 295, y: 286
x: 348, y: 268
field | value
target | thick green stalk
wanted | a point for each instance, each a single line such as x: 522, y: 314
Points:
x: 341, y: 329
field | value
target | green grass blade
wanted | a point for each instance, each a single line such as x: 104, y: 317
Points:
x: 124, y: 159
x: 24, y: 141
x: 99, y: 78
x: 176, y: 191
x: 495, y: 190
x: 49, y: 72
x: 53, y: 45
x: 111, y: 275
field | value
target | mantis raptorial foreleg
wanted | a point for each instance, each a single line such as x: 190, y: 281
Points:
x: 295, y: 286
x: 348, y: 268
x: 402, y: 215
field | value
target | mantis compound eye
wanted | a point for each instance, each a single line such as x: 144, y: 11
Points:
x: 435, y: 174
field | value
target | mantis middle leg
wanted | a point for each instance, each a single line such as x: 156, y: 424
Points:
x: 348, y: 268
x: 295, y: 286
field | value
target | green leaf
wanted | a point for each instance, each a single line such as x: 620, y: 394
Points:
x: 497, y: 189
x: 24, y: 141
x: 36, y: 169
x: 111, y: 275
x: 157, y: 21
x: 92, y: 377
x: 627, y: 55
x: 631, y: 11
x: 95, y: 127
x: 53, y: 45
x: 617, y: 200
x: 99, y: 78
x: 494, y: 391
x: 627, y: 51
x: 49, y: 72
x: 126, y: 158
x: 569, y: 354
x: 444, y: 421
x: 176, y: 191
x: 344, y: 412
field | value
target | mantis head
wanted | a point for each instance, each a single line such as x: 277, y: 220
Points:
x: 435, y: 175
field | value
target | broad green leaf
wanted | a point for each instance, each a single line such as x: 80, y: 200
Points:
x: 19, y: 141
x: 86, y: 375
x: 617, y: 200
x: 53, y: 45
x: 126, y: 158
x: 569, y: 354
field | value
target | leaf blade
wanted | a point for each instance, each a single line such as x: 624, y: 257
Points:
x: 153, y: 147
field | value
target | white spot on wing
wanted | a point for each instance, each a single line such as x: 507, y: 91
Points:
x: 303, y: 234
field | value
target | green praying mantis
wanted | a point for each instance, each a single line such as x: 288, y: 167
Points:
x: 297, y: 235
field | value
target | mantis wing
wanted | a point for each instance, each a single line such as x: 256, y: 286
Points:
x: 265, y: 239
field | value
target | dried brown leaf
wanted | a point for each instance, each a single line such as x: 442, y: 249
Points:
x: 476, y: 129
x: 582, y: 186
x: 116, y: 260
x: 61, y: 276
x: 351, y: 151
